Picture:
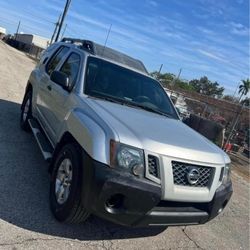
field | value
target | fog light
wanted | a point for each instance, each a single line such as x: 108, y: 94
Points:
x: 115, y: 202
x: 137, y: 170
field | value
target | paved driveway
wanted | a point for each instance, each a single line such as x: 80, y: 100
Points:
x: 25, y: 218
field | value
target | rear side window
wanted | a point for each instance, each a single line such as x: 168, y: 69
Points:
x: 71, y: 68
x: 56, y: 58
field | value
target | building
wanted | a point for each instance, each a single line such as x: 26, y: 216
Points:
x: 31, y: 44
x: 2, y: 32
x: 34, y: 40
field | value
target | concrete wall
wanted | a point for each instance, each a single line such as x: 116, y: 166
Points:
x: 40, y: 42
x: 34, y: 40
x: 24, y: 38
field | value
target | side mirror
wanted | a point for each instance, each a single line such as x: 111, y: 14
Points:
x: 60, y: 78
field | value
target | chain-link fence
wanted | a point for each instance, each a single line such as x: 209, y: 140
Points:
x: 214, y: 113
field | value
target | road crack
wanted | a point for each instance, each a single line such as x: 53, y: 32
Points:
x: 189, y: 237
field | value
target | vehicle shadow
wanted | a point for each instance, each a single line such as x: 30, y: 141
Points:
x: 24, y: 188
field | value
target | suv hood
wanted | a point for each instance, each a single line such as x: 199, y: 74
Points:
x: 157, y: 134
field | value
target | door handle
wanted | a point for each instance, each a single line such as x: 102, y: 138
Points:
x: 49, y: 87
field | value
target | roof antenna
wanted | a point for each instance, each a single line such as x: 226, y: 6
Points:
x: 106, y: 39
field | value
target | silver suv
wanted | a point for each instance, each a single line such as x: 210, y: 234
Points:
x: 115, y: 144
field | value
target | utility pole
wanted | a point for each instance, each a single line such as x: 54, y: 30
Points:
x: 177, y: 78
x: 158, y: 73
x: 236, y: 89
x: 179, y: 74
x: 62, y: 20
x: 234, y: 126
x: 55, y: 30
x: 17, y: 29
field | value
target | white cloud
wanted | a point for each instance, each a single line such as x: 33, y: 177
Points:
x: 211, y: 55
x: 239, y: 29
x: 153, y: 3
x: 206, y: 31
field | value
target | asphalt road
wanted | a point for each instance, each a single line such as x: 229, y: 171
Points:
x: 25, y: 218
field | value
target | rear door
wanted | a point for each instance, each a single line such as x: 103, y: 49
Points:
x: 59, y: 101
x: 45, y: 91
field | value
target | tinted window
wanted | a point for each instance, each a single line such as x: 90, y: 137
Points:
x: 71, y: 68
x: 56, y: 58
x: 105, y: 79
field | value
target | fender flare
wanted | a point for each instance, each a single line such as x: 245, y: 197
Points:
x: 88, y: 134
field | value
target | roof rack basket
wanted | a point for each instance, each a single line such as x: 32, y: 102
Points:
x: 84, y: 44
x: 107, y: 53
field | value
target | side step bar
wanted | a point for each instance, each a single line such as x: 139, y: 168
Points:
x: 41, y: 139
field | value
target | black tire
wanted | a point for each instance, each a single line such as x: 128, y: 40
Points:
x: 26, y: 114
x: 72, y: 210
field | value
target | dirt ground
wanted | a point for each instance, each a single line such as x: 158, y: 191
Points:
x: 25, y: 218
x: 241, y: 165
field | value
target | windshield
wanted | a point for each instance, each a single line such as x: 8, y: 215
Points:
x: 112, y: 82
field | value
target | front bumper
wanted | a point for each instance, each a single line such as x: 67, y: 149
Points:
x: 127, y: 200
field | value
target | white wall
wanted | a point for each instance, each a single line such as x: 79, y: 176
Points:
x: 2, y: 30
x: 40, y: 41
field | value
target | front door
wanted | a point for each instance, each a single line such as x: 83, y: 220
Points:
x: 45, y: 92
x: 59, y: 101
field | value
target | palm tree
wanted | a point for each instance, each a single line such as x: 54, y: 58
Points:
x: 244, y: 87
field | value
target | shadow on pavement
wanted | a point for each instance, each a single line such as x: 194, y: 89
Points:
x: 24, y: 188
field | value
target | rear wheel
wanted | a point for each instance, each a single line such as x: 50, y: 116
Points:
x: 26, y: 111
x: 66, y: 186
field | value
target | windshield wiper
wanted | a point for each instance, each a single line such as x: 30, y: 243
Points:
x: 131, y: 104
x: 150, y: 109
x: 106, y: 98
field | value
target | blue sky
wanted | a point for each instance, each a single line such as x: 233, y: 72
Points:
x: 203, y: 37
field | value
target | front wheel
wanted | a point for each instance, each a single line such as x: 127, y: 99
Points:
x: 66, y: 186
x: 26, y: 111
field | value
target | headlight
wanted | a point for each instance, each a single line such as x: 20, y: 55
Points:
x: 127, y: 157
x: 226, y: 174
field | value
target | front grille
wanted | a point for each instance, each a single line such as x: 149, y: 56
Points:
x: 153, y: 166
x: 182, y: 174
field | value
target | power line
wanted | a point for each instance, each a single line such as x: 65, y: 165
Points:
x: 24, y: 26
x: 65, y: 27
x: 72, y: 30
x: 32, y: 17
x: 8, y: 22
x: 39, y: 17
x: 31, y: 13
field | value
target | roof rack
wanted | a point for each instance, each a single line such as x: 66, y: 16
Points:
x: 108, y: 53
x: 84, y: 44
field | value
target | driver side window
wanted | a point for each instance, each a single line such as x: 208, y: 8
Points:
x: 71, y: 68
x: 55, y: 59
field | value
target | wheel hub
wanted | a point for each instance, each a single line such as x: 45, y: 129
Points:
x: 63, y: 181
x: 26, y: 110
